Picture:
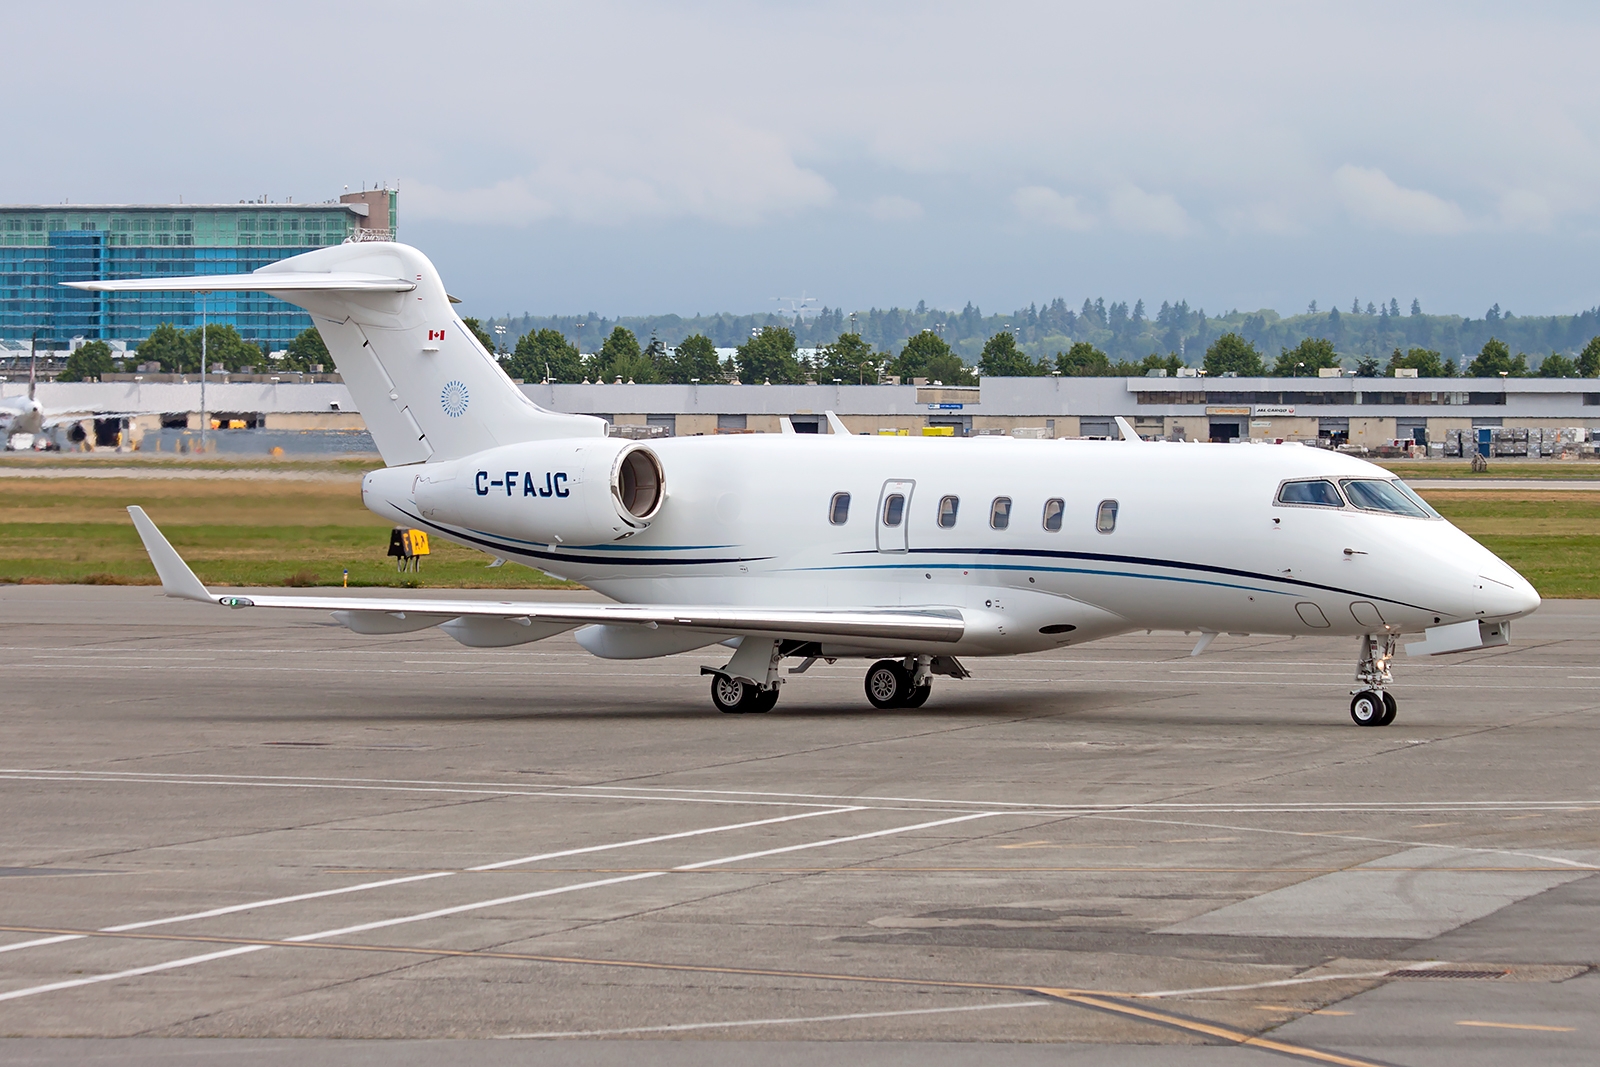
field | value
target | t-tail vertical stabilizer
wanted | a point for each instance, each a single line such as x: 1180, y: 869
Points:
x: 425, y: 387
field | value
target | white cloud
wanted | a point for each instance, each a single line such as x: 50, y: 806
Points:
x: 1524, y: 209
x: 895, y: 209
x: 1038, y: 203
x: 735, y: 175
x: 1371, y: 196
x: 1134, y: 209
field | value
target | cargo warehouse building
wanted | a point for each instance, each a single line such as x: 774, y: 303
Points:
x: 1519, y: 415
x: 42, y: 246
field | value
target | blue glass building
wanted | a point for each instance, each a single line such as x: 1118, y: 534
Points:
x: 44, y: 246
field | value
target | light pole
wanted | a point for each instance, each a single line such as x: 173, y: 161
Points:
x: 864, y: 365
x: 205, y: 420
x: 500, y: 340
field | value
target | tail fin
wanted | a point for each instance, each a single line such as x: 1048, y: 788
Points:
x: 425, y: 387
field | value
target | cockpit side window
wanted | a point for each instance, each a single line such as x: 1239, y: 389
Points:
x: 839, y: 509
x: 1383, y: 494
x: 1316, y: 493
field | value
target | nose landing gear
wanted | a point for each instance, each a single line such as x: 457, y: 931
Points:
x: 1372, y: 705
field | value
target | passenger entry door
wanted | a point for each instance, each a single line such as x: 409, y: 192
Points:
x: 894, y: 513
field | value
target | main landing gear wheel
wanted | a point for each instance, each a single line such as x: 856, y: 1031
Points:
x: 888, y: 684
x: 733, y: 697
x: 918, y: 697
x: 1372, y: 708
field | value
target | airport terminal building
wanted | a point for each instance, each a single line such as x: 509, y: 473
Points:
x: 42, y: 246
x: 1520, y: 416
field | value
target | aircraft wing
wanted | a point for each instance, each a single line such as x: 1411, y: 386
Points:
x: 808, y: 624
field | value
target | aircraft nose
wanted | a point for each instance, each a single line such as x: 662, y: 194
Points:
x: 1509, y: 596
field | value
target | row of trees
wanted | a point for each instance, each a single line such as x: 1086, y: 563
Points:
x: 1123, y: 332
x: 772, y: 355
x: 178, y: 352
x: 1232, y: 353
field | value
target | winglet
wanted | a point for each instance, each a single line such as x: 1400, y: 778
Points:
x: 1128, y: 433
x: 836, y: 424
x: 177, y: 579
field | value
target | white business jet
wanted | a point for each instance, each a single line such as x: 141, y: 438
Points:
x: 908, y: 552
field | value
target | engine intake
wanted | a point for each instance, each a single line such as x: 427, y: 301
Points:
x: 574, y: 492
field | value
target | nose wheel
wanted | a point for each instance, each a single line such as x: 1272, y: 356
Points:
x: 1372, y: 707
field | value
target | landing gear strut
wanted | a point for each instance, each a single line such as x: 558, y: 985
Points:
x: 1372, y: 705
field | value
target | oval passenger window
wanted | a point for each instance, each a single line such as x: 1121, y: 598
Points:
x: 1000, y: 513
x: 894, y: 509
x: 1052, y: 514
x: 948, y: 506
x: 839, y: 510
x: 1105, y: 517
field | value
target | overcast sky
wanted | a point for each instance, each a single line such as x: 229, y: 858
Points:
x: 652, y: 157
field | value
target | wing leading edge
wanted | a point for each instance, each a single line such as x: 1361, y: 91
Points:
x: 399, y: 614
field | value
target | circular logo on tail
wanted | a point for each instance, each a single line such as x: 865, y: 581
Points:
x: 454, y: 399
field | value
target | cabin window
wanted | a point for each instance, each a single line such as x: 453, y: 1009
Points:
x: 1105, y: 516
x: 894, y: 509
x: 1052, y: 514
x: 1000, y: 512
x: 839, y: 509
x: 1318, y: 493
x: 1381, y: 494
x: 948, y: 506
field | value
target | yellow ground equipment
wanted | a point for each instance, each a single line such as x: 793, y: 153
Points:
x: 408, y: 547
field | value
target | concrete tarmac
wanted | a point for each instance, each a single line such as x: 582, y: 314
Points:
x: 256, y: 834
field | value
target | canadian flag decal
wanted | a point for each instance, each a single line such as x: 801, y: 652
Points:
x: 436, y: 335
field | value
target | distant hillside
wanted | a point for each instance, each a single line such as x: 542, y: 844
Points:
x: 1118, y: 330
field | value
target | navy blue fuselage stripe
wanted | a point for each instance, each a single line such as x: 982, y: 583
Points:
x: 1143, y: 561
x: 565, y: 557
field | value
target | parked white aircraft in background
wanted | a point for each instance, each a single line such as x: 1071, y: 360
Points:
x: 907, y: 552
x: 23, y: 419
x: 22, y: 416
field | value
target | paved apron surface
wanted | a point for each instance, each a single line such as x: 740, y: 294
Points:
x: 260, y: 826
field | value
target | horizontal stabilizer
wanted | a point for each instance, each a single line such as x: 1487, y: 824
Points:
x: 260, y: 281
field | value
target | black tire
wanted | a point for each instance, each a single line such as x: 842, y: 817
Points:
x: 1367, y: 708
x: 731, y: 696
x: 1390, y: 707
x: 888, y: 684
x: 765, y: 700
x: 918, y: 696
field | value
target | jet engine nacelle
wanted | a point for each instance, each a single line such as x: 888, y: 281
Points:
x: 580, y: 491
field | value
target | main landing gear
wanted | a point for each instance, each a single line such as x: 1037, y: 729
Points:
x: 733, y: 696
x: 1372, y: 704
x: 749, y: 681
x: 892, y: 683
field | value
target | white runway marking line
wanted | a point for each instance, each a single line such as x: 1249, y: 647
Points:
x: 678, y: 1027
x: 685, y: 794
x: 479, y: 905
x: 232, y: 909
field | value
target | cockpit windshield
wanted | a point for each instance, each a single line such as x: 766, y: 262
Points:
x: 1383, y: 494
x: 1315, y: 492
